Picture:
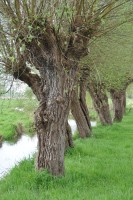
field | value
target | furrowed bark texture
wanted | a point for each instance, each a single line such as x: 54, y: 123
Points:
x: 51, y: 121
x: 57, y: 81
x: 34, y: 82
x: 119, y: 104
x: 58, y: 69
x: 100, y: 102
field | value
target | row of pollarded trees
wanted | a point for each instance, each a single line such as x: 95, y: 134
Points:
x: 52, y: 37
x: 99, y: 96
x: 111, y: 72
x: 99, y: 93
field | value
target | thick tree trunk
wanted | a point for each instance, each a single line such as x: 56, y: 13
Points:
x: 34, y: 82
x: 52, y: 115
x: 51, y: 121
x: 51, y: 139
x: 80, y: 113
x: 100, y: 101
x: 58, y: 71
x: 119, y: 104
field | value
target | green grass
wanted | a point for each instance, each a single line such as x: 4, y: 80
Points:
x: 9, y: 117
x: 98, y: 168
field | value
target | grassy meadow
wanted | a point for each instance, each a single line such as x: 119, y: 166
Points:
x: 14, y: 111
x: 97, y: 168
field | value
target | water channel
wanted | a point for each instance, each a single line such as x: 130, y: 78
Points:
x: 12, y: 154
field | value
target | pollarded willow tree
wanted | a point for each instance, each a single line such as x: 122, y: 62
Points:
x: 50, y: 37
x: 112, y: 70
x: 89, y: 78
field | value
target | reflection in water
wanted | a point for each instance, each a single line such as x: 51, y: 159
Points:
x: 12, y: 154
x: 93, y: 124
x: 73, y: 125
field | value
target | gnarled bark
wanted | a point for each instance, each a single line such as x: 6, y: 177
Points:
x: 119, y: 103
x: 58, y: 70
x: 58, y: 75
x: 100, y: 102
x: 34, y: 82
x: 51, y: 119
